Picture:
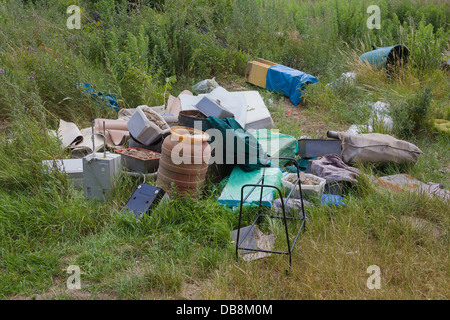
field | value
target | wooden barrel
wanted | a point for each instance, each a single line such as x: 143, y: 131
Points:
x: 184, y: 161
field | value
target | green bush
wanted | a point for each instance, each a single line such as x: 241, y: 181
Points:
x: 426, y: 46
x: 413, y: 116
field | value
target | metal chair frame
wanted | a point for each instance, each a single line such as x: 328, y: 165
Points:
x: 260, y: 184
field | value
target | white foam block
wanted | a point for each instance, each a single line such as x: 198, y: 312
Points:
x: 256, y: 116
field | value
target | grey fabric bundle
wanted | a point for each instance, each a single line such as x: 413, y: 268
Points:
x: 376, y: 148
x: 333, y: 169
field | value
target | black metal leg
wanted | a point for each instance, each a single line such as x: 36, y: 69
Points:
x: 239, y: 225
x: 260, y: 184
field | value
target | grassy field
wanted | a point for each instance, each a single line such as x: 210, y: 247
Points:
x: 143, y: 52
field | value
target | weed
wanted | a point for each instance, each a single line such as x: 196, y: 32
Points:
x: 413, y: 116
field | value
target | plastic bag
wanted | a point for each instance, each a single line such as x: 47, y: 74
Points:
x: 205, y: 86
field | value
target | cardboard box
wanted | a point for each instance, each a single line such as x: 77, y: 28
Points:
x: 256, y: 72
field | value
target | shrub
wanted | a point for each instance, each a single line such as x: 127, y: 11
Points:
x: 412, y: 116
x: 426, y: 46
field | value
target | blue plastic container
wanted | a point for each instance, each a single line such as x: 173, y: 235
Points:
x: 384, y: 57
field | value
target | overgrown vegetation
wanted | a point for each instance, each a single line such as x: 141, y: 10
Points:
x: 141, y: 51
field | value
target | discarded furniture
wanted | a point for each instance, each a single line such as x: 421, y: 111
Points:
x: 261, y: 184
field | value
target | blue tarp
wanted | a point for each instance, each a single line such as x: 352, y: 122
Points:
x: 103, y: 98
x: 289, y: 81
x: 332, y: 199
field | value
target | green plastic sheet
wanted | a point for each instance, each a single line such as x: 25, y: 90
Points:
x: 231, y: 193
x: 277, y: 145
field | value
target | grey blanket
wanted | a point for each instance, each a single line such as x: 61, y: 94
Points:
x: 333, y: 169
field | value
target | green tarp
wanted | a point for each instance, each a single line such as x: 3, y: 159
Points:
x: 277, y: 144
x: 239, y: 147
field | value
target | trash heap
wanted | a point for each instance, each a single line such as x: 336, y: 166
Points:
x: 173, y: 144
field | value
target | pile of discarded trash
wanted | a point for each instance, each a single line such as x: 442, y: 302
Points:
x: 228, y: 134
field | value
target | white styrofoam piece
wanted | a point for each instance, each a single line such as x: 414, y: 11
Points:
x: 308, y: 191
x: 233, y: 102
x: 72, y: 167
x: 188, y: 101
x: 257, y: 116
x: 144, y: 130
